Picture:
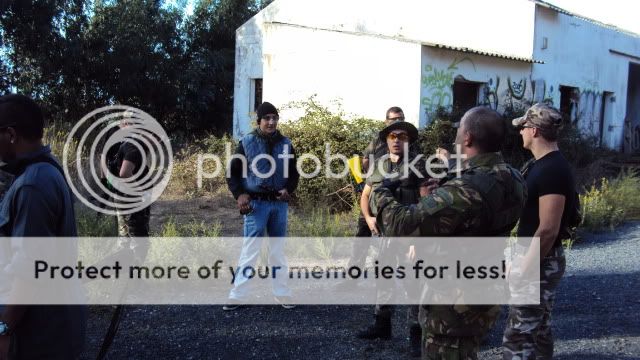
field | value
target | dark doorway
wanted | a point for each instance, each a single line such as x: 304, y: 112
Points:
x: 465, y: 96
x: 568, y: 102
x: 632, y: 120
x: 256, y: 89
x: 606, y: 115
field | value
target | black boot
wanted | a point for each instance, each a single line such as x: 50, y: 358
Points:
x: 381, y: 329
x: 415, y: 337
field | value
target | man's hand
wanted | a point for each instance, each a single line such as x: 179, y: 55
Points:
x: 373, y: 226
x: 244, y: 204
x: 5, y: 341
x: 283, y: 195
x: 442, y: 152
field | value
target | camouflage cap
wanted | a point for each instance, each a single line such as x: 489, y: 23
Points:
x: 541, y: 116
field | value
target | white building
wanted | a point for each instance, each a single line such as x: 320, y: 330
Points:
x: 419, y: 55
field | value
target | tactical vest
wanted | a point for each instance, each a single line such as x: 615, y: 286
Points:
x: 254, y: 146
x: 503, y: 191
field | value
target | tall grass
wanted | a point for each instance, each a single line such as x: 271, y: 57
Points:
x: 611, y: 202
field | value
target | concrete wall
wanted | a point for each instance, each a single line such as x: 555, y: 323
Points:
x: 369, y: 55
x: 365, y: 74
x: 492, y: 25
x: 248, y: 66
x: 577, y: 55
x: 504, y: 81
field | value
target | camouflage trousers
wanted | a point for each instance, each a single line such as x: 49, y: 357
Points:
x: 528, y: 332
x: 395, y: 254
x: 133, y: 231
x: 438, y: 347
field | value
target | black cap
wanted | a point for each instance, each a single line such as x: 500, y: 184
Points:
x: 400, y: 125
x: 266, y: 108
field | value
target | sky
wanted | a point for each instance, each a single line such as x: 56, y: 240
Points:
x: 621, y: 13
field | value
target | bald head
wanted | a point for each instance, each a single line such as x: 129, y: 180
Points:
x: 486, y: 128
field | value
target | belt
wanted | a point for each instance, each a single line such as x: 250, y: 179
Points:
x: 264, y: 196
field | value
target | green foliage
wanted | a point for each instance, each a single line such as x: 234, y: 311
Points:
x: 440, y: 133
x: 612, y: 202
x: 184, y: 179
x: 324, y: 226
x: 321, y: 222
x: 309, y: 134
x: 193, y: 228
x: 93, y: 224
x: 77, y: 55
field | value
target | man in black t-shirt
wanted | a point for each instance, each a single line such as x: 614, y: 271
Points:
x: 126, y: 161
x: 550, y: 204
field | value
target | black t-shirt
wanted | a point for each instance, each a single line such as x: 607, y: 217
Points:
x: 550, y: 174
x: 130, y: 152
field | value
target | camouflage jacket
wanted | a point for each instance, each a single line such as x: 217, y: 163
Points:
x: 486, y: 200
x: 465, y: 205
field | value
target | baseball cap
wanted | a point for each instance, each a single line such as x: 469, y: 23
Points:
x: 541, y: 116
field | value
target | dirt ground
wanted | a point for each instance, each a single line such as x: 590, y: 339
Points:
x: 220, y: 208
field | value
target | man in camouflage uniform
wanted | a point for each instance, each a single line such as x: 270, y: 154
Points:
x: 551, y: 210
x: 398, y: 137
x: 484, y: 200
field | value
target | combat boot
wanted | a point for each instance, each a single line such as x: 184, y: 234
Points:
x: 381, y: 329
x: 415, y: 338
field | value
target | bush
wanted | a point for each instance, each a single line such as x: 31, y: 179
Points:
x: 439, y: 133
x: 184, y: 180
x: 309, y: 134
x: 612, y: 202
x: 193, y: 228
x: 94, y: 224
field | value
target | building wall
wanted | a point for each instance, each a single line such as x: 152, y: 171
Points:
x: 490, y: 25
x: 371, y: 57
x: 248, y: 66
x: 504, y: 81
x: 576, y: 53
x: 364, y: 74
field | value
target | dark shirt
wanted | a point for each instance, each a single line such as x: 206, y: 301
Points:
x: 39, y: 203
x: 130, y: 152
x: 550, y: 174
x: 234, y: 180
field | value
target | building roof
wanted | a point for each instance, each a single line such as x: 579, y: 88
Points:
x: 439, y: 46
x: 485, y: 53
x: 584, y: 18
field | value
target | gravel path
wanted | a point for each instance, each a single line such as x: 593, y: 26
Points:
x: 597, y: 316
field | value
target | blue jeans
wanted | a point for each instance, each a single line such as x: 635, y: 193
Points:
x: 270, y: 217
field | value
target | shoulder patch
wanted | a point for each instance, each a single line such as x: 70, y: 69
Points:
x: 438, y: 200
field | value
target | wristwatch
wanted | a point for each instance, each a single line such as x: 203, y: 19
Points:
x: 4, y: 328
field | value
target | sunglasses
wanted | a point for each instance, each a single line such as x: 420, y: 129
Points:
x: 520, y: 127
x: 271, y: 117
x: 401, y: 137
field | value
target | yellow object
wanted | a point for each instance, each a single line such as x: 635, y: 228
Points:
x: 355, y: 166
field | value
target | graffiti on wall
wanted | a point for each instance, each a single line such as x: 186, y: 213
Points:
x: 631, y: 137
x: 586, y: 107
x: 438, y: 84
x: 490, y: 96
